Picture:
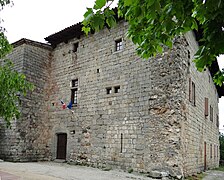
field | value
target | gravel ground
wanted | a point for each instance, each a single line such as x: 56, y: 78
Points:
x: 57, y: 171
x: 214, y: 175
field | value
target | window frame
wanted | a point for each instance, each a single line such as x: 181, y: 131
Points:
x: 74, y: 92
x: 206, y: 107
x: 211, y: 113
x: 119, y: 45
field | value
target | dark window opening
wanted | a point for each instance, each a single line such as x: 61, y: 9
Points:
x: 117, y: 89
x: 75, y: 83
x: 121, y: 143
x: 211, y: 151
x: 75, y: 47
x: 98, y: 70
x: 109, y: 90
x: 118, y: 45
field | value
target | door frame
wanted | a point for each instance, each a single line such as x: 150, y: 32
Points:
x: 62, y: 156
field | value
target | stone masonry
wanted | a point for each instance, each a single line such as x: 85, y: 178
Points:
x: 145, y: 115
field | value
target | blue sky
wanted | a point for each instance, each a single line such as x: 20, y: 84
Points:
x: 36, y: 20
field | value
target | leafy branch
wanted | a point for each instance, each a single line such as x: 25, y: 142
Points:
x: 153, y: 24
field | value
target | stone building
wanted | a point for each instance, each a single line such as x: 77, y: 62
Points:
x: 157, y: 114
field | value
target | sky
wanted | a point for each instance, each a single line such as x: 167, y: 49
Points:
x: 36, y: 20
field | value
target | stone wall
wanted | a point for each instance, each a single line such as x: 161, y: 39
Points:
x: 137, y: 128
x: 198, y: 129
x: 27, y: 139
x: 145, y: 123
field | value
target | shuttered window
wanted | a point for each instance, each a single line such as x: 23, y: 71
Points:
x: 217, y: 121
x: 193, y: 94
x: 211, y: 113
x: 206, y: 107
x: 190, y: 95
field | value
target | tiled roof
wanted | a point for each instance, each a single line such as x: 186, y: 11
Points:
x: 31, y: 42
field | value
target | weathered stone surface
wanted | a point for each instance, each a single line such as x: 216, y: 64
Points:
x: 148, y: 125
x: 155, y: 174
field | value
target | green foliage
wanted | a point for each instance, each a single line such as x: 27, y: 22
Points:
x: 153, y: 24
x: 221, y: 141
x: 4, y: 3
x: 220, y: 168
x: 12, y: 84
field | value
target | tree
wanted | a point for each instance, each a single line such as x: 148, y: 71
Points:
x: 153, y: 24
x: 12, y: 84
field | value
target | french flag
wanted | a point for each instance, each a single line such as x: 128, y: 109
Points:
x: 70, y: 105
x: 63, y: 105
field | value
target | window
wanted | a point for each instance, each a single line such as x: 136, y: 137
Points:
x: 74, y: 96
x: 217, y: 151
x: 217, y: 121
x: 211, y: 151
x: 109, y: 90
x: 190, y: 95
x: 74, y: 92
x: 118, y: 45
x: 206, y: 107
x: 117, y: 89
x: 192, y: 92
x: 214, y: 152
x: 75, y: 83
x: 211, y: 113
x: 75, y: 47
x: 121, y: 142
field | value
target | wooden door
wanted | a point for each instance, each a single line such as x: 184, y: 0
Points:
x: 205, y: 157
x: 61, y: 146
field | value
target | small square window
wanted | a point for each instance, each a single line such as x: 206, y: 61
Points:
x: 75, y: 83
x: 75, y: 47
x: 117, y: 89
x: 109, y: 90
x: 118, y: 45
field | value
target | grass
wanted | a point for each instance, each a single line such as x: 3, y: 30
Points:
x: 196, y: 177
x: 220, y: 168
